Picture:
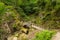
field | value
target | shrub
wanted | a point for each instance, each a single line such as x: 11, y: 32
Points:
x: 44, y: 35
x: 2, y: 6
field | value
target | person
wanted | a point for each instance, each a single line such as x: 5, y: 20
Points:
x: 5, y: 38
x: 26, y: 27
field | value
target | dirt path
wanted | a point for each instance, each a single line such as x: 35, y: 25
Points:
x: 57, y: 36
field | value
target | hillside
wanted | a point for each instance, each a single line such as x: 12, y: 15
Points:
x: 22, y: 19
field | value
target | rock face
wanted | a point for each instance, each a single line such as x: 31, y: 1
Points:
x: 57, y: 36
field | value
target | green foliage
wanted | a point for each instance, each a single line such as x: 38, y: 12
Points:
x: 44, y: 35
x: 2, y: 10
x: 29, y: 6
x: 2, y: 7
x: 1, y: 31
x: 9, y: 2
x: 45, y: 12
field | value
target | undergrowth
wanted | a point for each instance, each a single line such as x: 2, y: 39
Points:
x: 44, y: 35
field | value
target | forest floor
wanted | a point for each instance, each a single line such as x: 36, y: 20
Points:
x: 32, y: 34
